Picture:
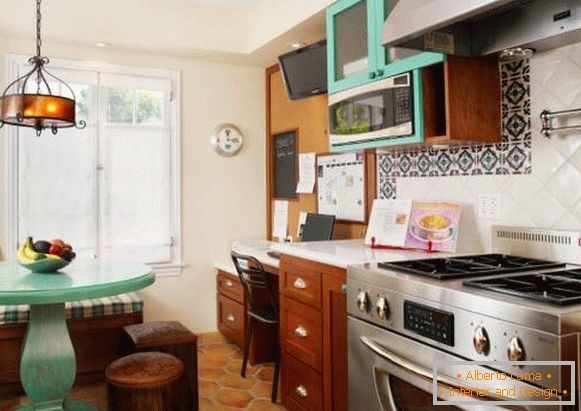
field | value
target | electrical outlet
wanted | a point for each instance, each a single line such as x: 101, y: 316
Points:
x: 489, y: 206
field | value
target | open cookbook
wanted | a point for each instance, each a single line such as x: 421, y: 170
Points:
x: 414, y: 224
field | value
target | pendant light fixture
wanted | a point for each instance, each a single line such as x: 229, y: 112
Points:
x: 29, y: 100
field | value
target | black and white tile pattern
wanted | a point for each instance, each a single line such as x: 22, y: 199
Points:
x: 513, y: 155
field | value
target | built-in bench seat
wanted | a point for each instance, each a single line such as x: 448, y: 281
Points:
x: 95, y: 327
x: 119, y: 304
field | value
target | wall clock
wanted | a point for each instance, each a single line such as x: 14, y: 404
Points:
x: 227, y: 139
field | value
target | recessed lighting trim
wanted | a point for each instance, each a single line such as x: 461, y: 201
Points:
x: 297, y: 44
x: 103, y: 44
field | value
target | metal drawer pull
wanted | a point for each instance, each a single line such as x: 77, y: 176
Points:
x: 229, y: 284
x: 230, y: 318
x: 300, y: 283
x: 301, y: 391
x: 301, y: 331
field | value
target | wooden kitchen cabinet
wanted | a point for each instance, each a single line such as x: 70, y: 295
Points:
x: 461, y: 101
x: 231, y: 312
x: 314, y: 365
x: 232, y: 319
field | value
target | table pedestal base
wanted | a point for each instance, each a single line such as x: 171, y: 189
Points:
x: 48, y: 366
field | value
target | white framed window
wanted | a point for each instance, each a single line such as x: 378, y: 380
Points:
x: 112, y: 189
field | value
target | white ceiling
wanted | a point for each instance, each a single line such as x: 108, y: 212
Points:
x: 226, y: 4
x: 248, y: 31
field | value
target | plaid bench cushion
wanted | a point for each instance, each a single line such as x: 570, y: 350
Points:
x: 119, y: 304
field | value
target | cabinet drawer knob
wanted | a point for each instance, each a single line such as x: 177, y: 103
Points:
x: 230, y: 318
x: 372, y: 74
x: 380, y: 72
x: 229, y: 284
x: 300, y: 283
x: 301, y: 391
x: 301, y: 331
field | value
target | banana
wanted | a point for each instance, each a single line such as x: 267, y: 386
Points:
x: 21, y: 256
x: 29, y: 251
x: 53, y: 257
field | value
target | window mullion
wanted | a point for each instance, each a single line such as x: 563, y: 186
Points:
x: 100, y: 117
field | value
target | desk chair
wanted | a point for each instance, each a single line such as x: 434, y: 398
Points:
x: 252, y: 275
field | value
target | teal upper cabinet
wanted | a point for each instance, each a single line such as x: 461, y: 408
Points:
x: 350, y: 44
x: 354, y: 51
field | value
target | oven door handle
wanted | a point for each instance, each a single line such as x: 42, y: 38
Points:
x: 419, y: 370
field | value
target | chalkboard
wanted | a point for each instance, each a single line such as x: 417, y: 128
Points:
x: 284, y: 156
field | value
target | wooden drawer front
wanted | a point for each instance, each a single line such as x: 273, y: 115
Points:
x: 301, y: 332
x: 302, y: 284
x: 229, y: 285
x: 302, y: 387
x: 231, y: 319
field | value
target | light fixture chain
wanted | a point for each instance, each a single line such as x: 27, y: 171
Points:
x: 38, y: 20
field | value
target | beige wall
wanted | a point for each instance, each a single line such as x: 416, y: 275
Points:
x: 222, y: 198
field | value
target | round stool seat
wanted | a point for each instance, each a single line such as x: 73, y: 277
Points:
x: 144, y: 370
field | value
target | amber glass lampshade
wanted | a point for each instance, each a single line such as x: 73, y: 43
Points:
x: 27, y: 103
x: 37, y: 110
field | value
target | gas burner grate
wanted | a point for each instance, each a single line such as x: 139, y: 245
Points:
x: 469, y: 266
x: 556, y: 288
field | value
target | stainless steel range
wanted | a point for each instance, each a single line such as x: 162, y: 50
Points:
x: 515, y: 304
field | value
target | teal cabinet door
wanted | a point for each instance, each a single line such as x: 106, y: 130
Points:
x: 392, y: 61
x: 350, y: 44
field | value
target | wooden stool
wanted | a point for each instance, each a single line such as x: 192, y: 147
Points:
x: 173, y: 338
x: 140, y: 381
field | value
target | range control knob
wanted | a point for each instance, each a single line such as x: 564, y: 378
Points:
x: 382, y: 308
x: 363, y: 301
x: 516, y: 351
x: 481, y: 341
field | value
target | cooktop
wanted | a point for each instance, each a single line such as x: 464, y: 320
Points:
x: 561, y: 287
x: 469, y: 266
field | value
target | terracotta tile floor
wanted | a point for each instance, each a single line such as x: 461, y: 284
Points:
x: 220, y: 384
x: 221, y: 387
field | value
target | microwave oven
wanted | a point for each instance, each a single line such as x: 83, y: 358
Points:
x: 377, y: 113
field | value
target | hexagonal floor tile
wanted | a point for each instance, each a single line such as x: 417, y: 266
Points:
x: 232, y: 398
x: 236, y: 381
x: 210, y: 374
x: 264, y: 373
x: 265, y: 405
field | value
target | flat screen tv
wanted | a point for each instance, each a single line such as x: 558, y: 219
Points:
x: 305, y: 71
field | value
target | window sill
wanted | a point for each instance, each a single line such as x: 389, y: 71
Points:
x: 168, y: 270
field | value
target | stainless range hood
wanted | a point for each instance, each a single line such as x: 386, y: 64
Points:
x: 482, y: 27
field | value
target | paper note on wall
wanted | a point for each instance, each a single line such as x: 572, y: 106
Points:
x: 280, y: 223
x: 306, y: 173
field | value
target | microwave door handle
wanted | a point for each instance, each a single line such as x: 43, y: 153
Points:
x: 419, y: 370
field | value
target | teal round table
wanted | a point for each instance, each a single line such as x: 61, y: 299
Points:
x: 48, y: 366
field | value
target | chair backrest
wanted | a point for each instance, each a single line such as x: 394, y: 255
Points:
x: 252, y: 275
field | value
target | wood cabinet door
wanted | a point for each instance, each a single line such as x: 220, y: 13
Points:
x: 231, y: 319
x: 334, y: 344
x: 230, y: 285
x: 301, y: 284
x: 301, y: 328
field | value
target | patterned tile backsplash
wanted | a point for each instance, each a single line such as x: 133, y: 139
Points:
x: 545, y: 192
x: 511, y: 156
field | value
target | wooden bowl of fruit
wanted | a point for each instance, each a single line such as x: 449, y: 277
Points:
x: 43, y: 256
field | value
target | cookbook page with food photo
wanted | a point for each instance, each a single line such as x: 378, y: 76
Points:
x: 434, y: 221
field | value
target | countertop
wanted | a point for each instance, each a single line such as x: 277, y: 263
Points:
x: 258, y: 249
x: 342, y: 253
x: 338, y: 253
